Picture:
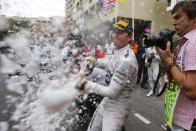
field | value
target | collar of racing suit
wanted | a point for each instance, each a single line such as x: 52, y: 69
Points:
x: 122, y: 49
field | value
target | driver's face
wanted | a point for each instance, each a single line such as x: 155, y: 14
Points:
x: 121, y: 38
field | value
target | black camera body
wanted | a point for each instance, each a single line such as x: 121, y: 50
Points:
x: 161, y: 39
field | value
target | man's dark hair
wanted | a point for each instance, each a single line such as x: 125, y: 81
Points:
x: 188, y: 7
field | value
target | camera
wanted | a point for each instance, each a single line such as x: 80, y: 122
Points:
x: 160, y: 40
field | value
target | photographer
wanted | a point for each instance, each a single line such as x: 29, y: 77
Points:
x: 152, y: 63
x: 141, y: 55
x: 181, y: 91
x: 121, y: 78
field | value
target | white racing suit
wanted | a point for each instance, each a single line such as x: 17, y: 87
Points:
x: 114, y: 108
x: 153, y: 68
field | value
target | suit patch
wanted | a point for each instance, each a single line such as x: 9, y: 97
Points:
x: 123, y: 70
x: 108, y: 77
x: 120, y: 73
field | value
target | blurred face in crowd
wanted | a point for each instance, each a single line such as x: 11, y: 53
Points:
x: 121, y: 38
x: 182, y: 23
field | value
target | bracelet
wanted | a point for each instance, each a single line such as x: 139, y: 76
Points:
x: 171, y: 66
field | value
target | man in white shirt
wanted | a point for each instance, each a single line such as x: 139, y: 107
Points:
x: 152, y: 61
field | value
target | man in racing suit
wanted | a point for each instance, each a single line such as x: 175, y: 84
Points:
x: 121, y: 76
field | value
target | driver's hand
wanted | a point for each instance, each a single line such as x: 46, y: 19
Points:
x: 82, y: 80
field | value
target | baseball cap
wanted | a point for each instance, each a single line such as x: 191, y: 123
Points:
x: 123, y: 25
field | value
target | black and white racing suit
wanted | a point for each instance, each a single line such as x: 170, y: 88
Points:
x: 114, y: 108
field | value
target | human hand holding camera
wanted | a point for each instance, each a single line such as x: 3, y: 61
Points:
x: 152, y: 56
x: 165, y: 55
x: 146, y: 64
